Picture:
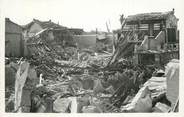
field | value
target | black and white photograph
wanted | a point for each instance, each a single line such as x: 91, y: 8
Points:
x: 91, y: 56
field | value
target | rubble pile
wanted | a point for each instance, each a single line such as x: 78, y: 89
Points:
x: 94, y: 88
x: 63, y: 79
x: 89, y: 84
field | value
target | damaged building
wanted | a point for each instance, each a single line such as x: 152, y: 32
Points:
x: 150, y: 37
x: 54, y: 34
x: 14, y: 46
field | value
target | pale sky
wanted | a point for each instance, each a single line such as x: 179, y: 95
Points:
x: 86, y: 14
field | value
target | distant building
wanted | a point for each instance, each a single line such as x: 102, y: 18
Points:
x: 97, y: 42
x: 76, y: 31
x: 13, y: 39
x: 85, y: 41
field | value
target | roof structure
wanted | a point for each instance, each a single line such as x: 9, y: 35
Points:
x: 44, y: 24
x: 149, y: 16
x: 8, y: 20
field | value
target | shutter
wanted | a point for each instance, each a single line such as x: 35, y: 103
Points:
x: 171, y: 34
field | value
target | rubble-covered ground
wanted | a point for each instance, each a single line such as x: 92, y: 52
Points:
x: 83, y: 83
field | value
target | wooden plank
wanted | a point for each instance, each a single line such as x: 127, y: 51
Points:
x: 21, y: 77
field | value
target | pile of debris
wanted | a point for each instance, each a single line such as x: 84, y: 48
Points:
x: 63, y: 80
x: 92, y: 90
x: 74, y: 86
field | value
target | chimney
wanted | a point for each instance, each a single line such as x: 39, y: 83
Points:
x: 173, y: 10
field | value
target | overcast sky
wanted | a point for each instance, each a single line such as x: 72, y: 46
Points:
x: 86, y: 14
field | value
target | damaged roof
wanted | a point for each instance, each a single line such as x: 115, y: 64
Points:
x: 149, y: 16
x: 43, y: 24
